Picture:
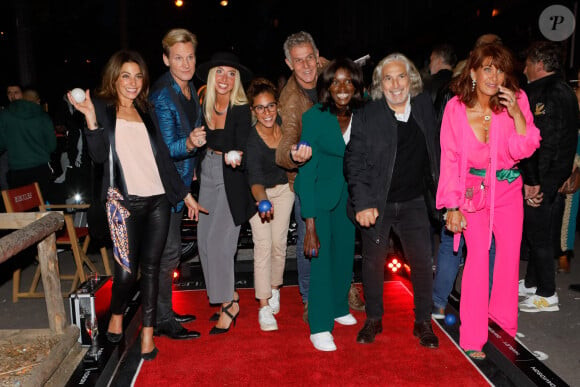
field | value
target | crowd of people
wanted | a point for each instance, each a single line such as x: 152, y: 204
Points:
x: 467, y: 150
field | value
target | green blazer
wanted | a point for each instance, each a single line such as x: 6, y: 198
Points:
x: 320, y: 182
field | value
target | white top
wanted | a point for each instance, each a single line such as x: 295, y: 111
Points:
x: 404, y: 117
x: 137, y: 160
x: 346, y: 134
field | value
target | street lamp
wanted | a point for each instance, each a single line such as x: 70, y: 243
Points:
x: 178, y: 3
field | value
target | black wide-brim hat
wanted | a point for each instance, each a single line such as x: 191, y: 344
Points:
x: 223, y: 58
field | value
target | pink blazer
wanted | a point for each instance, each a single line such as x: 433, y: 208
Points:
x: 461, y: 150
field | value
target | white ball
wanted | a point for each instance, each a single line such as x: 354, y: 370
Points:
x: 78, y: 94
x: 233, y: 156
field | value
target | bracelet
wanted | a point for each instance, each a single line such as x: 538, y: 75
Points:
x: 452, y: 209
x: 291, y: 158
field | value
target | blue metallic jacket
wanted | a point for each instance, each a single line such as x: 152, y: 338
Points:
x: 174, y: 124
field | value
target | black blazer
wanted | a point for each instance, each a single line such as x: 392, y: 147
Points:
x: 98, y: 143
x: 370, y: 156
x: 237, y: 128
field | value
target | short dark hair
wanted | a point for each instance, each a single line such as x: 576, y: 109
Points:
x: 325, y: 80
x: 446, y: 52
x: 12, y: 83
x: 549, y: 53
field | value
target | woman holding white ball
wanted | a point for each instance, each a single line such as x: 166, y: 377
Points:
x: 122, y: 131
x: 224, y: 190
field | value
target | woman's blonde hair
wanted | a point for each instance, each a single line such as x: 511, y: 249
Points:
x: 237, y: 95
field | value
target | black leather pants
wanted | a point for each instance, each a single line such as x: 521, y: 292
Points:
x: 147, y: 231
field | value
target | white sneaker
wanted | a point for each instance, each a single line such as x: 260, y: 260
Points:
x: 323, y: 341
x: 536, y: 303
x: 274, y: 301
x: 347, y: 319
x: 267, y: 320
x: 523, y: 291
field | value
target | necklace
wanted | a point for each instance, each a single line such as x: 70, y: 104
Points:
x: 486, y: 122
x: 186, y: 92
x: 486, y: 117
x: 218, y: 112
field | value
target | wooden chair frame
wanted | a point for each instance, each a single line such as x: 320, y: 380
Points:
x: 29, y: 197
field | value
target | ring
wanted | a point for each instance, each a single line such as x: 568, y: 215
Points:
x: 313, y: 252
x: 199, y: 142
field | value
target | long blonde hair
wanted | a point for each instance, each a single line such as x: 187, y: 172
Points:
x: 237, y: 95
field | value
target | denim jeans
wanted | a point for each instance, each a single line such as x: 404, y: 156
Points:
x: 303, y: 263
x: 448, y: 263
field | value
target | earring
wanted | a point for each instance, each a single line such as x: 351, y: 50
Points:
x: 473, y: 84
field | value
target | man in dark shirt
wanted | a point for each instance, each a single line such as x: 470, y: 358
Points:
x: 179, y: 114
x: 555, y: 109
x: 391, y: 160
x: 441, y: 64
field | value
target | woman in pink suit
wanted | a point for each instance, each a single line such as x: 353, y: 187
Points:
x: 487, y: 128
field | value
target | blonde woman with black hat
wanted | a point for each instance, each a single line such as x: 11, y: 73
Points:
x: 224, y: 190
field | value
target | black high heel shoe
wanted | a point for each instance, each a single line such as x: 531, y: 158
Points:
x: 114, y: 337
x: 226, y: 310
x: 150, y: 355
x: 216, y: 315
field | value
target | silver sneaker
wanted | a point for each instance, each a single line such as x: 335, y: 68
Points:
x: 523, y: 291
x: 535, y: 303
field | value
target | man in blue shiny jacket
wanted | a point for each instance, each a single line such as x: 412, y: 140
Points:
x: 178, y: 111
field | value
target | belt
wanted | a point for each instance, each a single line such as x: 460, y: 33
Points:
x: 214, y: 152
x: 502, y: 174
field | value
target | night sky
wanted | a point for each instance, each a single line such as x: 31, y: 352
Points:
x: 66, y: 43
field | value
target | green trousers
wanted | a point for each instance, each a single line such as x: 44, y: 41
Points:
x: 331, y: 271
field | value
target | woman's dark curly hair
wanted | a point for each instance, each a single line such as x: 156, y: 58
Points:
x: 258, y: 86
x: 327, y: 77
x: 494, y: 54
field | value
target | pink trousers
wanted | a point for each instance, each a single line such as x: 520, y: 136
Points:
x: 476, y: 303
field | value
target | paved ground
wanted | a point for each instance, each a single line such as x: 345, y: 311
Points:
x: 554, y: 336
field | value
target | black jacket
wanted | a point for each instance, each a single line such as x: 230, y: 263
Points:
x: 437, y: 82
x: 370, y: 156
x: 555, y: 109
x: 98, y: 143
x: 237, y: 128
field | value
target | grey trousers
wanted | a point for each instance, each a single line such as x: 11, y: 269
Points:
x: 217, y: 235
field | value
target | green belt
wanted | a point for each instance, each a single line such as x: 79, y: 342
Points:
x: 503, y: 174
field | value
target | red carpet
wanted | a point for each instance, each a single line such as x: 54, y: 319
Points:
x: 246, y: 356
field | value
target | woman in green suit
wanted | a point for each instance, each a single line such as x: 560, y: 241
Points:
x: 323, y: 194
